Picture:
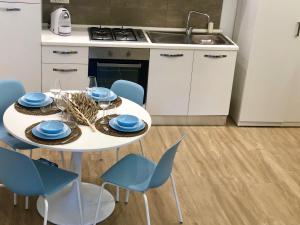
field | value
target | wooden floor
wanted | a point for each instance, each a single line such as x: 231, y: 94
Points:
x: 225, y: 176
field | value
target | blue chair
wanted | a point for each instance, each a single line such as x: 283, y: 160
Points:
x: 28, y: 177
x: 10, y: 92
x: 139, y: 174
x: 134, y: 92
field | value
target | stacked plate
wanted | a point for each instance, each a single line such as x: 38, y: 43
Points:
x: 35, y: 100
x: 102, y: 94
x: 51, y: 130
x: 127, y: 123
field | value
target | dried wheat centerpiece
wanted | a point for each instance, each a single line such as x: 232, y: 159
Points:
x: 82, y: 108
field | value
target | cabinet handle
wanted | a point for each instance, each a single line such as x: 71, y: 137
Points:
x: 65, y: 52
x: 172, y: 55
x: 64, y: 70
x: 215, y: 56
x: 298, y: 31
x: 11, y: 9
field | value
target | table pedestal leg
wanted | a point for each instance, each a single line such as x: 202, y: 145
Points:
x: 63, y: 206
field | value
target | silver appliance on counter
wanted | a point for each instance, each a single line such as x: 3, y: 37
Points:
x: 61, y: 22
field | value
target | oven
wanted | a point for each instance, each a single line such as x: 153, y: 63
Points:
x: 111, y: 64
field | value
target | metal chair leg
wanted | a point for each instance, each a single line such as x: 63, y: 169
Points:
x: 127, y: 196
x: 147, y: 208
x: 31, y: 153
x: 62, y: 158
x: 99, y: 203
x: 46, y: 211
x: 117, y: 188
x: 141, y: 147
x: 26, y: 202
x: 15, y: 199
x: 79, y: 201
x: 180, y: 219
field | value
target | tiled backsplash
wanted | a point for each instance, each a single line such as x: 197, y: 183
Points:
x: 152, y: 13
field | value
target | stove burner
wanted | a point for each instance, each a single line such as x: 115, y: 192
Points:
x: 101, y: 33
x: 124, y: 34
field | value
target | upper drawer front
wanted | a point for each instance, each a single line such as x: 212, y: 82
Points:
x: 65, y: 54
x: 22, y: 1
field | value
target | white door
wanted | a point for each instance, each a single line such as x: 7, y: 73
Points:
x: 20, y: 43
x: 293, y: 99
x: 169, y: 82
x: 272, y: 62
x: 212, y: 80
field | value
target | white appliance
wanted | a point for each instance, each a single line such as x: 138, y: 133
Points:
x: 61, y: 22
x: 267, y: 80
x: 20, y: 42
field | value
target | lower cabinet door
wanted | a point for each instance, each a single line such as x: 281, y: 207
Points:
x: 71, y: 76
x: 212, y: 80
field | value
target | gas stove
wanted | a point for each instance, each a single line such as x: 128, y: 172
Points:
x: 116, y: 34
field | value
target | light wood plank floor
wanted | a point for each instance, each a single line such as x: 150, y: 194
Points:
x: 225, y: 176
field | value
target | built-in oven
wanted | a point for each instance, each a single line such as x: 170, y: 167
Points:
x: 111, y: 64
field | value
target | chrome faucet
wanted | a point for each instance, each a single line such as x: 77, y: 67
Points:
x: 189, y: 29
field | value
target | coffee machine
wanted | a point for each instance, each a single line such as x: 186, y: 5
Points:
x: 61, y: 22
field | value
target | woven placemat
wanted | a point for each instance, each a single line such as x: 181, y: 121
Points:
x: 75, y: 134
x: 115, y: 103
x: 37, y: 111
x: 106, y: 129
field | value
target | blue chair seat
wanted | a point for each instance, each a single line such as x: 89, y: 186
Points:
x: 12, y: 141
x: 53, y: 178
x: 133, y: 172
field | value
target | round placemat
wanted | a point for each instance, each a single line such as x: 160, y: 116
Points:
x: 115, y: 103
x: 75, y: 134
x: 106, y: 129
x: 37, y: 111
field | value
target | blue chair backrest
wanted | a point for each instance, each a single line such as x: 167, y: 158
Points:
x: 164, y: 167
x: 19, y: 174
x: 10, y: 91
x: 129, y: 90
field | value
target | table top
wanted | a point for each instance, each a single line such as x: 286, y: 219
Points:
x: 16, y: 123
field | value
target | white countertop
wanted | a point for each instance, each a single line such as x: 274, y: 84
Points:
x: 80, y: 37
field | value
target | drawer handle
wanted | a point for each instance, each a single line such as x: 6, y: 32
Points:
x: 64, y: 70
x: 215, y: 56
x: 65, y: 52
x: 11, y: 9
x: 172, y: 55
x: 298, y: 31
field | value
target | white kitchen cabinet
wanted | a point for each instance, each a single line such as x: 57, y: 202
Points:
x: 71, y: 76
x: 169, y: 81
x: 266, y: 76
x: 20, y: 43
x: 211, y: 84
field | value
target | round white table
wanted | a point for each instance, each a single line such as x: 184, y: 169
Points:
x: 63, y: 209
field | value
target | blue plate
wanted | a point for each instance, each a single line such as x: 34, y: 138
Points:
x: 36, y: 133
x: 52, y: 127
x: 97, y: 94
x: 138, y: 127
x: 34, y: 97
x: 48, y: 101
x: 127, y: 120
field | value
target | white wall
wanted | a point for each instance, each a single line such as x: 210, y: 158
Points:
x: 228, y: 16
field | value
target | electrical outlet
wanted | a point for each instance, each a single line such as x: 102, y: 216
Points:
x: 60, y: 1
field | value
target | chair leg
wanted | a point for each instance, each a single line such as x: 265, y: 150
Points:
x: 31, y: 153
x: 127, y: 196
x: 62, y: 158
x: 15, y: 199
x: 147, y: 208
x: 117, y: 188
x: 99, y: 202
x: 26, y: 202
x: 46, y: 211
x: 141, y: 147
x: 79, y: 201
x: 180, y: 219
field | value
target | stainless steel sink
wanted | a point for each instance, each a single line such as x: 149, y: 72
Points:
x: 182, y: 38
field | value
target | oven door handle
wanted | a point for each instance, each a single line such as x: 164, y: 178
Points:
x: 120, y: 65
